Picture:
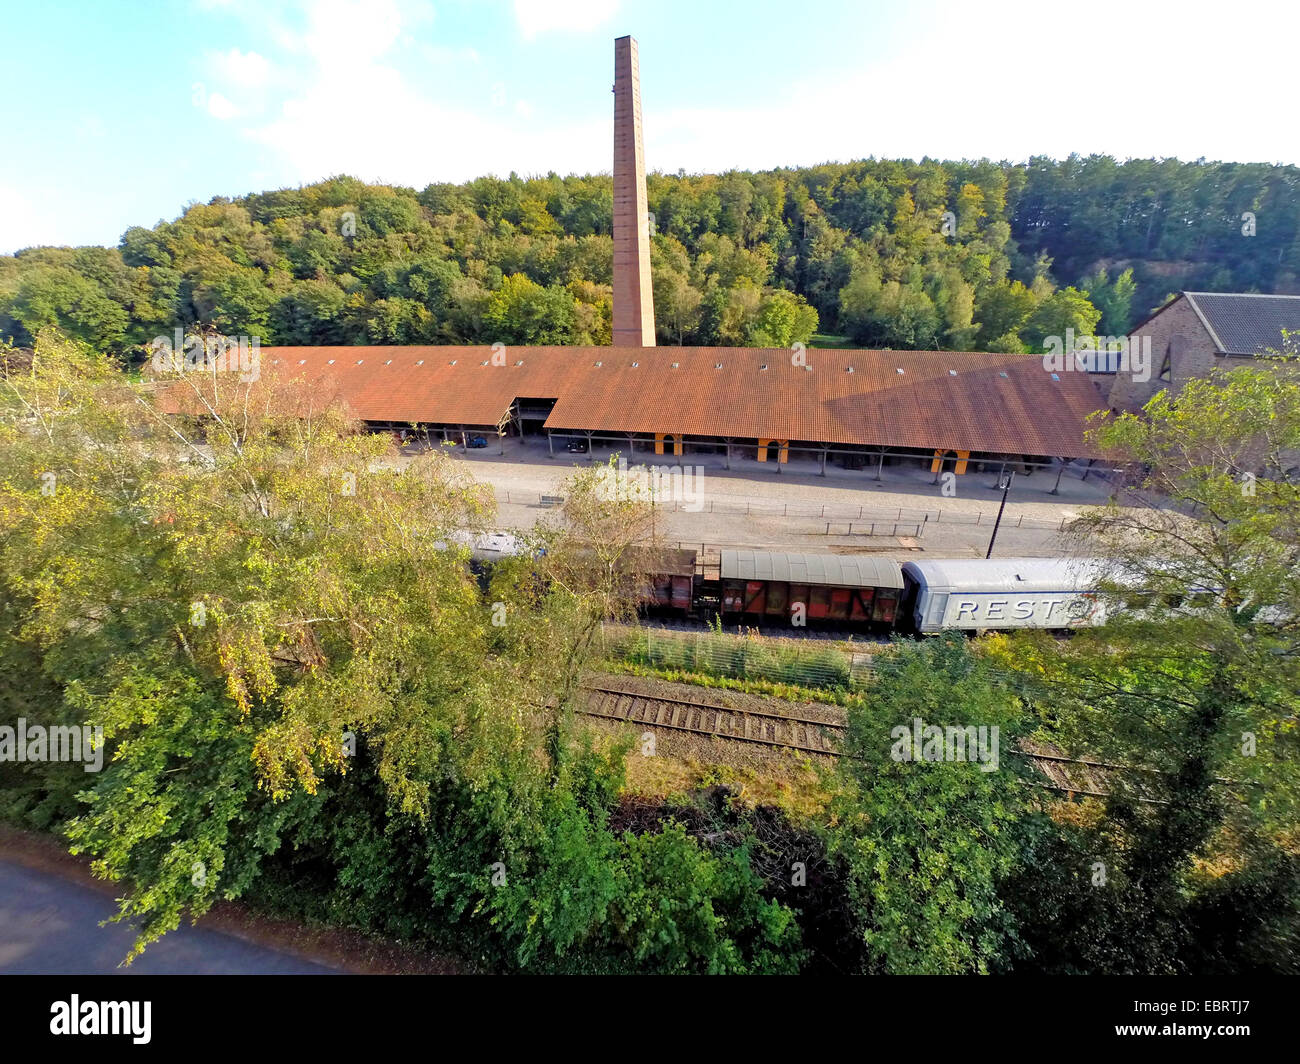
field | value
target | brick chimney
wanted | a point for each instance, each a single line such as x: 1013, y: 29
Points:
x: 634, y: 312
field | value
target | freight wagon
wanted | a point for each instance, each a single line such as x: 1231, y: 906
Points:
x: 803, y: 588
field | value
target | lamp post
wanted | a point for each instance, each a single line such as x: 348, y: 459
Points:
x: 1004, y: 482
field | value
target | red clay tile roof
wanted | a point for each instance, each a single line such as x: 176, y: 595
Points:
x: 943, y: 399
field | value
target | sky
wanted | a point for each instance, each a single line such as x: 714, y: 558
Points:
x: 120, y: 114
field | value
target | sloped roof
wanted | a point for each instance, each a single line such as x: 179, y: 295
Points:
x: 929, y: 399
x: 831, y: 569
x: 949, y: 399
x: 1243, y: 323
x: 440, y: 385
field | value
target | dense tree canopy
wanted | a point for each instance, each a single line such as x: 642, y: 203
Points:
x: 987, y: 256
x: 298, y: 681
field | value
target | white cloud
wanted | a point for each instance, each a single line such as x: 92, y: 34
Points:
x: 220, y: 108
x: 544, y: 16
x: 342, y: 34
x: 376, y: 123
x: 244, y: 68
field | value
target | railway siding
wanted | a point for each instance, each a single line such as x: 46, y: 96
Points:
x: 819, y: 729
x: 707, y: 718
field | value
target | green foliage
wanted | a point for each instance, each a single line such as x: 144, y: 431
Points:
x: 863, y: 249
x: 1197, y: 684
x: 523, y: 312
x: 736, y: 657
x: 680, y: 910
x: 1067, y: 309
x: 303, y: 698
x: 1113, y: 299
x: 929, y: 845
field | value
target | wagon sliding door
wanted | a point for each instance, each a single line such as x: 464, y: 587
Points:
x: 819, y: 603
x: 777, y: 596
x: 860, y: 603
x: 886, y: 606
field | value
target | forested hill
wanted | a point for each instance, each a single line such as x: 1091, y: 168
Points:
x: 866, y: 250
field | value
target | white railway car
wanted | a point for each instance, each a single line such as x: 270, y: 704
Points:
x: 487, y: 546
x: 971, y: 594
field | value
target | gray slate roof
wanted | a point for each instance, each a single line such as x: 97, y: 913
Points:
x: 1246, y: 324
x: 831, y: 569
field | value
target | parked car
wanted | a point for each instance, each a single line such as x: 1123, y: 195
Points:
x: 577, y: 446
x: 476, y: 441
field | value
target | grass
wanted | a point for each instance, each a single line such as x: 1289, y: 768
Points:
x: 737, y: 657
x: 801, y: 786
x: 829, y: 340
x: 764, y: 688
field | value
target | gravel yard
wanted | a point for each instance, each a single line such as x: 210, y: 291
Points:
x: 847, y: 511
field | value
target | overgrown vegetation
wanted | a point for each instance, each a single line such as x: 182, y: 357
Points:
x: 725, y: 656
x: 304, y: 698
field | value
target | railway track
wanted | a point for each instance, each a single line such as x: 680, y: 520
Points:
x: 1065, y: 775
x: 707, y: 718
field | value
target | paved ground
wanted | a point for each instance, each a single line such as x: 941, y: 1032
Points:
x: 49, y: 926
x: 797, y: 509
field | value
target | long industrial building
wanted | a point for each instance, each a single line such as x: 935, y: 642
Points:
x: 679, y: 400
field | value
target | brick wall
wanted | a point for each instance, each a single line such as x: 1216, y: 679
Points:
x: 1177, y: 331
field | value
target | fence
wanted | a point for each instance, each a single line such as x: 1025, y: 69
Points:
x: 901, y: 521
x: 737, y: 657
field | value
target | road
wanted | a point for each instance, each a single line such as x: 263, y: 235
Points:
x: 50, y: 926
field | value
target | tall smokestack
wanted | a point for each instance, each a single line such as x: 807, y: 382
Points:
x: 634, y: 311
